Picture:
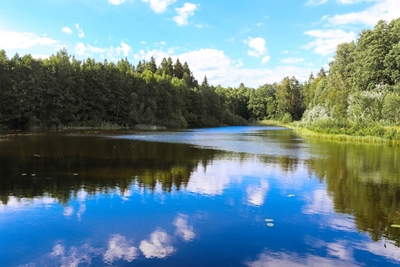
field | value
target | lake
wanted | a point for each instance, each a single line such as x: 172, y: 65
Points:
x: 228, y: 196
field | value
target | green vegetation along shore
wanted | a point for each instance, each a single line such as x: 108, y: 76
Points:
x: 359, y: 96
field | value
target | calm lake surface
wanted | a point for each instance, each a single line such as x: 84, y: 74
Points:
x: 230, y: 196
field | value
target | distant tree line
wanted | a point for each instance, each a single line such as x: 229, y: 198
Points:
x: 62, y: 91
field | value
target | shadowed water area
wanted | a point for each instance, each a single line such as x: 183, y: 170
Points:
x: 229, y: 196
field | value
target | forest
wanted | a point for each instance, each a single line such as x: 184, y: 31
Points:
x: 358, y: 95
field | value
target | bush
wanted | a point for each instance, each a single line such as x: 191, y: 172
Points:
x: 287, y: 118
x: 390, y: 134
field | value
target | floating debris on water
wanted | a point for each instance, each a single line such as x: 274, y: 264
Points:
x: 75, y: 174
x: 396, y: 225
x: 24, y: 174
x: 33, y: 174
x: 37, y: 155
x: 270, y: 224
x: 269, y: 220
x: 291, y: 195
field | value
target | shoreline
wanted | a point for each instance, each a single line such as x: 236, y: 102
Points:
x: 305, y: 132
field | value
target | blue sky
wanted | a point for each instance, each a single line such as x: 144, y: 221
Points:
x: 249, y: 41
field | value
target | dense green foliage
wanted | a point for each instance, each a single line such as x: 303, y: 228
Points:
x: 61, y: 92
x: 64, y: 92
x: 361, y: 93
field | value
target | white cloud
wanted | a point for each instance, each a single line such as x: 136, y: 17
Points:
x: 24, y: 40
x: 183, y: 229
x: 76, y: 256
x: 265, y: 59
x: 200, y: 26
x: 327, y: 40
x: 256, y: 194
x: 292, y: 60
x: 257, y: 45
x: 159, y: 6
x: 68, y: 211
x: 382, y: 10
x: 14, y: 203
x: 340, y: 251
x: 221, y: 69
x: 347, y: 2
x: 211, y: 181
x: 390, y: 251
x: 67, y: 30
x: 88, y: 50
x: 184, y: 13
x: 119, y: 248
x: 113, y: 53
x: 271, y: 259
x: 319, y: 203
x: 123, y: 48
x: 316, y: 2
x: 81, y: 211
x: 116, y: 2
x: 158, y: 246
x: 81, y: 34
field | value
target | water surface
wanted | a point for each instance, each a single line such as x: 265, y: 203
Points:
x: 229, y: 196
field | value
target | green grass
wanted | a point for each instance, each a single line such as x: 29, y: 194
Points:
x: 374, y: 133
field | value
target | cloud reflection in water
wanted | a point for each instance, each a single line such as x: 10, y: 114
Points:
x: 183, y: 229
x: 119, y: 248
x: 158, y: 246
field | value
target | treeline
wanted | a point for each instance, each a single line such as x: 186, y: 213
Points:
x: 64, y: 92
x: 361, y: 93
x: 61, y: 92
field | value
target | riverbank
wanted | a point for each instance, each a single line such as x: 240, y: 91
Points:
x: 380, y: 134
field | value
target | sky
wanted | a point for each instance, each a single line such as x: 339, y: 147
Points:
x: 231, y: 42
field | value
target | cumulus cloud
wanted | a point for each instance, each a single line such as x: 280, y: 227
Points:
x: 183, y: 229
x: 258, y: 48
x: 81, y: 34
x: 116, y: 2
x: 158, y: 246
x: 257, y: 45
x: 183, y: 13
x: 24, y: 40
x: 159, y: 6
x: 67, y: 30
x: 123, y: 48
x: 382, y: 10
x: 327, y: 40
x: 119, y: 248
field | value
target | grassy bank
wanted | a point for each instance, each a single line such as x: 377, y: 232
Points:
x: 352, y: 132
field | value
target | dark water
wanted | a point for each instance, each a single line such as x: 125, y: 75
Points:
x: 197, y: 198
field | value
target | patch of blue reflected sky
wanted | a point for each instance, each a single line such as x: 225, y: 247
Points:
x: 222, y: 208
